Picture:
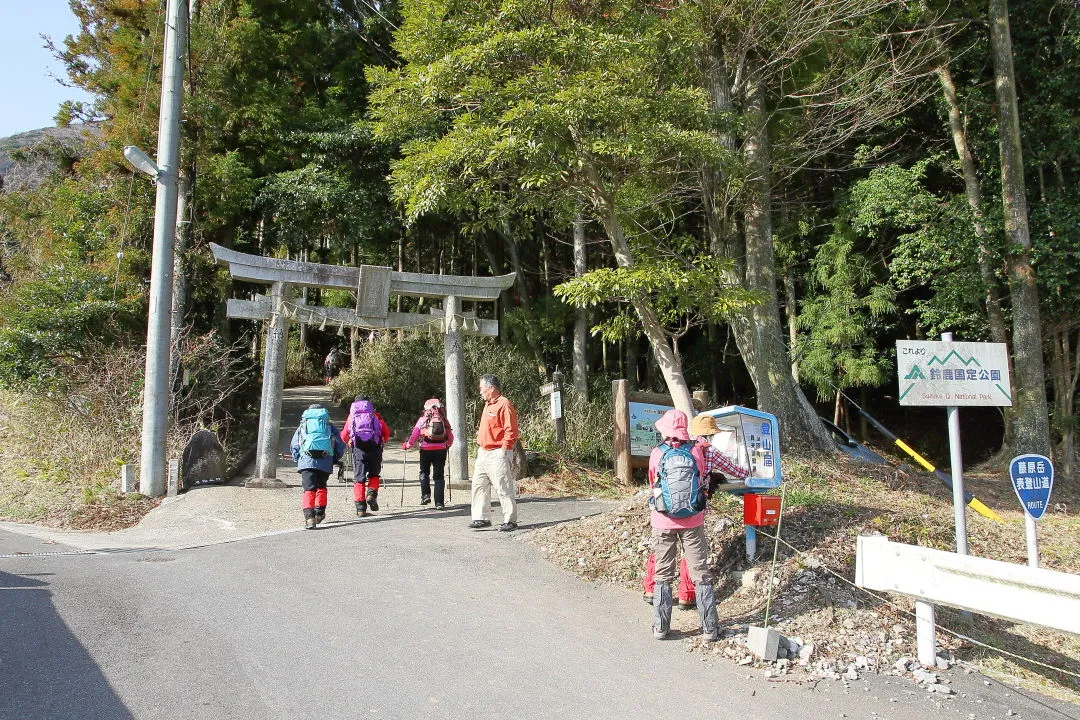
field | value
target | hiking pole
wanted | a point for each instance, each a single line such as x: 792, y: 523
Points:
x: 404, y: 462
x: 449, y: 487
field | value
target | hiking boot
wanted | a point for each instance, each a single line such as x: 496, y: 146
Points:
x: 373, y: 500
x: 361, y: 509
x: 309, y: 523
x: 440, y: 506
x: 661, y: 610
x: 710, y: 623
x: 647, y: 597
x: 320, y: 514
x: 477, y: 524
x: 508, y: 527
x: 425, y: 500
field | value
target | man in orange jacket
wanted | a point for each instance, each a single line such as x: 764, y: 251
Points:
x: 495, y: 440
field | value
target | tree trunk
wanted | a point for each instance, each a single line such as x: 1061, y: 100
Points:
x: 995, y: 319
x: 1064, y: 373
x: 1032, y: 425
x: 757, y: 330
x: 666, y: 357
x: 581, y: 320
x: 792, y: 318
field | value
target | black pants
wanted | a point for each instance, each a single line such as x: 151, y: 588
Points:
x: 432, y: 460
x: 312, y: 479
x: 366, y: 460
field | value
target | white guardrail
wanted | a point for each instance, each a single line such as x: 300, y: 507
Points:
x: 989, y: 587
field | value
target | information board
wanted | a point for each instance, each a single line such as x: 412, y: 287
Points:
x: 643, y: 434
x: 955, y: 374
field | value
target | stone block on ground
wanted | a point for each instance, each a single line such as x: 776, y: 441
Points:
x: 763, y: 642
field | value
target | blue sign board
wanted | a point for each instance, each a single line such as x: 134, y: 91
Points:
x: 1032, y: 478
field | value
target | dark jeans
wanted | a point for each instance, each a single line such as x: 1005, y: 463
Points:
x: 432, y: 460
x: 366, y: 460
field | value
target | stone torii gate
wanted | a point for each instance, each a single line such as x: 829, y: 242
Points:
x: 373, y: 287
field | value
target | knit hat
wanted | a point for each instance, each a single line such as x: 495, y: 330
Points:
x: 672, y: 424
x: 703, y: 425
x: 432, y: 402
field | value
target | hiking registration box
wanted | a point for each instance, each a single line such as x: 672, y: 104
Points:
x: 749, y: 438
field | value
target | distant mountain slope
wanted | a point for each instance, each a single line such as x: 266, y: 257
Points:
x: 20, y: 174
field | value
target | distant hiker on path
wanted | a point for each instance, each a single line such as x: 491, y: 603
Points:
x: 332, y: 364
x: 432, y: 431
x: 315, y: 448
x: 365, y: 432
x: 678, y: 478
x: 495, y: 440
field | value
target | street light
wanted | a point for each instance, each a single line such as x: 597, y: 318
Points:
x: 141, y: 161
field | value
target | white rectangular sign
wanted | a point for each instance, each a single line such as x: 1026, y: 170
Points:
x: 953, y: 374
x: 556, y: 405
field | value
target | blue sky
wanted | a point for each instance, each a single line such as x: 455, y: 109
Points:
x: 28, y: 86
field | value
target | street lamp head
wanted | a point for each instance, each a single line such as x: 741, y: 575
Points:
x: 141, y: 161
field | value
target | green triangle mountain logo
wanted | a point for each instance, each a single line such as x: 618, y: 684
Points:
x: 915, y: 374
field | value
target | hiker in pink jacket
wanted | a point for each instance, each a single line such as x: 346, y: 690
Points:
x: 432, y: 432
x: 678, y: 479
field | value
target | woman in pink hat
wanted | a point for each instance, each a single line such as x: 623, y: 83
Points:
x: 432, y: 432
x: 679, y: 480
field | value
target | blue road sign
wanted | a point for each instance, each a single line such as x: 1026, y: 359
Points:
x: 1032, y: 478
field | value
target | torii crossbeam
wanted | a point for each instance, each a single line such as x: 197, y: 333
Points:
x: 373, y: 286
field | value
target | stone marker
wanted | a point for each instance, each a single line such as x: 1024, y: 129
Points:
x: 203, y: 461
x: 763, y: 642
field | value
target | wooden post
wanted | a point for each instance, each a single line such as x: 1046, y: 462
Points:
x: 557, y: 409
x: 620, y: 399
x: 266, y: 455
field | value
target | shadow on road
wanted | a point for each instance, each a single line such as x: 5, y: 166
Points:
x: 45, y: 672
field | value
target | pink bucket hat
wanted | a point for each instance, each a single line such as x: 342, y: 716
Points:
x: 433, y: 402
x: 672, y: 424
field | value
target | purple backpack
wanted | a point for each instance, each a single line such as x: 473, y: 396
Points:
x: 363, y: 425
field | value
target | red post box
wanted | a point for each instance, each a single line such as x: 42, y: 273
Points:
x: 761, y: 509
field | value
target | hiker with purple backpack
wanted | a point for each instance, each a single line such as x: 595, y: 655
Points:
x: 365, y: 432
x: 432, y: 432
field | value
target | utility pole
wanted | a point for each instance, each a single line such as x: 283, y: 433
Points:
x: 156, y: 385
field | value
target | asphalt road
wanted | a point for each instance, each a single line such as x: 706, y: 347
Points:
x: 407, y: 615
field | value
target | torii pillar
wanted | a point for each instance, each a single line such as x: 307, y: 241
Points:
x: 277, y: 345
x: 454, y: 358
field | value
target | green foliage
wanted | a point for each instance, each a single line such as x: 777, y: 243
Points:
x: 56, y: 321
x: 680, y: 291
x: 587, y: 427
x: 838, y: 349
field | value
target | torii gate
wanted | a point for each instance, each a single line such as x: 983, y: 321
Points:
x: 373, y: 287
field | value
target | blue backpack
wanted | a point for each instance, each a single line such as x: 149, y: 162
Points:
x: 677, y: 491
x: 315, y: 438
x: 363, y: 425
